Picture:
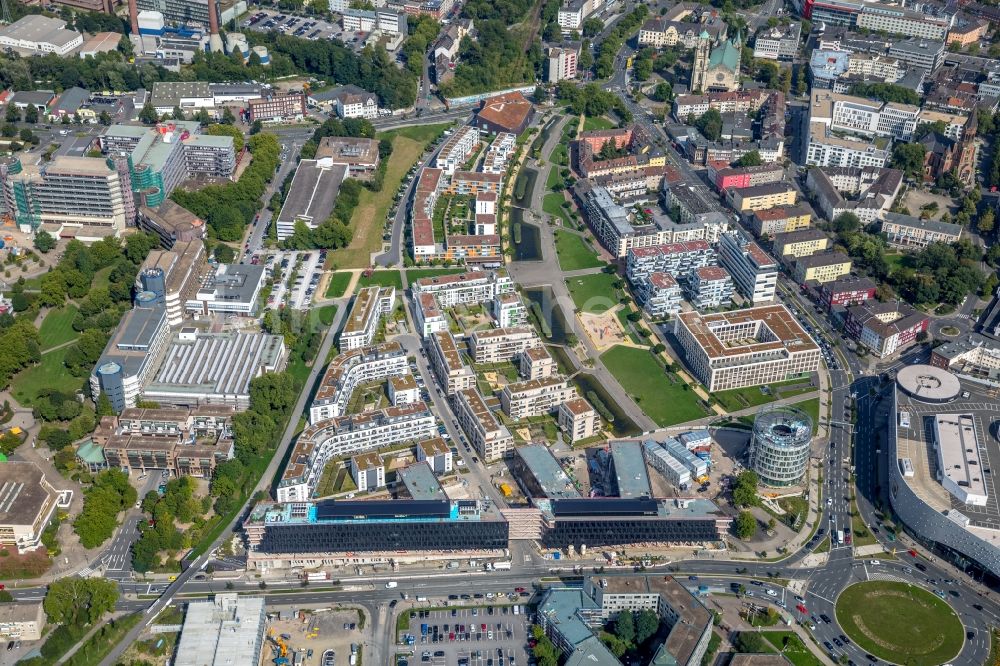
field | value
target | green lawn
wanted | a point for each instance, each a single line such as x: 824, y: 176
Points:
x: 423, y: 133
x: 552, y: 204
x: 326, y: 314
x: 593, y: 293
x: 663, y: 398
x: 752, y: 396
x: 381, y: 279
x: 597, y: 123
x: 338, y: 285
x: 898, y: 260
x: 810, y: 407
x: 50, y: 373
x: 101, y: 277
x: 554, y: 177
x: 574, y: 252
x: 789, y: 643
x: 57, y: 327
x: 900, y: 623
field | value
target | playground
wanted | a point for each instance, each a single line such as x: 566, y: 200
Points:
x: 605, y: 330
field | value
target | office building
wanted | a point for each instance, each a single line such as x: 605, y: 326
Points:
x: 848, y: 291
x: 675, y: 259
x: 578, y: 419
x: 751, y: 347
x: 778, y: 43
x: 659, y: 294
x: 906, y: 231
x: 367, y: 310
x: 489, y: 438
x: 277, y: 108
x: 754, y: 271
x: 923, y: 54
x: 885, y: 328
x: 709, y: 287
x: 825, y: 148
x: 35, y: 34
x: 350, y: 101
x: 561, y: 63
x: 312, y: 195
x: 229, y: 289
x: 507, y: 113
x: 131, y: 356
x: 227, y: 630
x: 359, y: 154
x: 540, y: 475
x: 27, y: 504
x: 171, y: 223
x: 203, y: 368
x: 867, y: 192
x: 779, y: 220
x: 535, y: 397
x: 878, y: 17
x: 349, y: 370
x: 436, y: 453
x: 822, y: 267
x: 779, y: 446
x: 176, y: 273
x: 368, y: 472
x: 382, y: 19
x: 452, y: 372
x: 347, y: 435
x: 499, y: 345
x: 22, y: 621
x: 536, y: 363
x: 419, y: 483
x: 801, y: 243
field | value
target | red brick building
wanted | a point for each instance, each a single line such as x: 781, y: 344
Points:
x: 290, y: 106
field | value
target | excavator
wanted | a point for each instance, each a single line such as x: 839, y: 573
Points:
x: 280, y: 649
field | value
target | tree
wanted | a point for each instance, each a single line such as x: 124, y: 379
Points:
x: 625, y: 627
x: 745, y: 489
x: 177, y: 113
x: 909, y: 158
x: 541, y: 94
x: 79, y: 601
x: 987, y: 221
x: 227, y: 130
x: 592, y: 26
x: 751, y: 642
x: 750, y: 159
x: 256, y: 126
x: 12, y: 114
x: 227, y: 116
x: 710, y: 124
x: 148, y: 114
x: 31, y: 114
x: 44, y: 242
x: 224, y: 254
x: 104, y: 118
x: 846, y: 222
x: 745, y: 525
x: 646, y: 624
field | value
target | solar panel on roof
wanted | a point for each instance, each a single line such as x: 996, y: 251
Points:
x: 382, y: 509
x: 604, y: 506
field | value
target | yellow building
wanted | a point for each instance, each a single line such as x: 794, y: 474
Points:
x: 761, y: 197
x: 780, y: 220
x: 822, y: 267
x: 801, y: 243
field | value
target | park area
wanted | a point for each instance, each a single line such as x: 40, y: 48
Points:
x: 900, y: 623
x: 661, y: 395
x: 753, y: 396
x: 594, y: 293
x: 366, y: 222
x: 575, y: 252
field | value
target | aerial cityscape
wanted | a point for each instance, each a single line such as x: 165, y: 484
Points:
x: 499, y: 332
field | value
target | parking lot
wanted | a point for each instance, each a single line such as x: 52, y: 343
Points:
x: 306, y: 27
x: 308, y: 268
x: 491, y: 635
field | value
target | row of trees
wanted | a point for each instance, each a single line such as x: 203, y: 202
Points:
x: 604, y: 64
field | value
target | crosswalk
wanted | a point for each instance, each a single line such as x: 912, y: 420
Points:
x: 875, y: 575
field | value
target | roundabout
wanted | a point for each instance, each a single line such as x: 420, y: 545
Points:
x: 900, y: 623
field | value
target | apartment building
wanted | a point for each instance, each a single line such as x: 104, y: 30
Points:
x: 535, y: 397
x: 509, y: 310
x: 348, y: 435
x: 578, y: 419
x: 351, y: 369
x: 740, y: 101
x: 452, y: 372
x: 894, y: 20
x: 659, y: 293
x: 801, y: 243
x: 350, y: 101
x: 749, y: 347
x: 778, y: 43
x: 403, y: 390
x: 457, y: 150
x: 368, y: 471
x: 436, y: 453
x: 536, y: 363
x: 867, y: 192
x: 499, y: 153
x: 383, y: 20
x: 848, y: 291
x: 826, y: 149
x: 22, y: 621
x: 885, y: 328
x: 474, y: 182
x: 573, y: 12
x: 754, y: 271
x: 724, y: 176
x: 468, y: 287
x: 875, y: 66
x: 499, y: 345
x: 761, y: 197
x: 780, y: 220
x: 821, y: 268
x: 490, y: 439
x: 907, y: 231
x: 560, y: 63
x: 673, y: 258
x: 709, y: 287
x: 370, y: 305
x: 429, y: 317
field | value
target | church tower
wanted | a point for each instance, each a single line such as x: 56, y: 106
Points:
x: 702, y: 55
x: 967, y: 150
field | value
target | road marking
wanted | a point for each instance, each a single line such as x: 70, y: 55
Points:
x: 821, y: 597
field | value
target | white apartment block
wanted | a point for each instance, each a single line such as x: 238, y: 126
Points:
x: 351, y: 369
x: 573, y: 12
x: 660, y: 294
x: 370, y: 305
x: 750, y: 347
x: 368, y: 471
x: 868, y: 118
x: 901, y: 21
x: 754, y: 271
x: 560, y: 64
x: 383, y: 20
x: 874, y: 66
x: 498, y: 345
x: 469, y: 287
x: 347, y: 435
x: 709, y: 287
x: 430, y: 318
x: 490, y: 439
x: 403, y: 390
x: 535, y: 397
x: 499, y: 153
x: 436, y: 453
x: 452, y: 372
x: 826, y: 150
x: 674, y: 258
x: 509, y: 310
x: 578, y: 419
x: 457, y: 149
x: 536, y: 363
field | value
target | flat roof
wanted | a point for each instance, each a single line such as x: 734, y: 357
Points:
x: 420, y: 482
x: 24, y: 493
x: 786, y: 330
x: 233, y: 283
x: 630, y: 469
x: 227, y: 630
x: 958, y: 448
x: 549, y: 474
x: 313, y: 193
x: 435, y: 446
x: 216, y: 362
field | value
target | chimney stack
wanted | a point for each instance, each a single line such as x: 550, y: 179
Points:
x: 214, y: 40
x: 133, y: 17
